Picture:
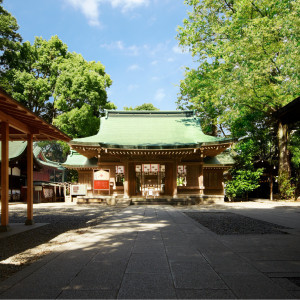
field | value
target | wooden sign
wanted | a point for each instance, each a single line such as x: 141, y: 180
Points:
x: 181, y: 169
x: 120, y: 170
x: 101, y: 179
x: 146, y: 168
x: 154, y: 168
x: 78, y: 189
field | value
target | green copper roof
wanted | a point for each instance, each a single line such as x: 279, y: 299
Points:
x: 223, y: 158
x: 149, y: 130
x: 17, y: 148
x: 77, y: 160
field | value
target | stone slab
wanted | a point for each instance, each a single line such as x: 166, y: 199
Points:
x: 148, y: 263
x: 82, y: 294
x: 254, y: 286
x: 277, y: 266
x: 147, y: 286
x: 193, y: 275
x: 204, y: 294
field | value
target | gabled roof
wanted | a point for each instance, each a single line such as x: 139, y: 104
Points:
x: 223, y: 158
x: 149, y: 130
x: 22, y: 122
x: 76, y: 160
x: 17, y: 148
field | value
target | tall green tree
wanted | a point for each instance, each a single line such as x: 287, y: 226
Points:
x: 248, y: 57
x: 33, y: 74
x: 9, y: 37
x: 61, y: 87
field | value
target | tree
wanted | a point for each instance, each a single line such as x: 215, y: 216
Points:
x: 197, y: 92
x: 245, y: 177
x: 33, y: 74
x: 9, y: 37
x: 145, y: 106
x: 59, y: 86
x: 248, y: 61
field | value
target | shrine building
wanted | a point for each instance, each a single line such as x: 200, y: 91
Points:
x: 150, y: 154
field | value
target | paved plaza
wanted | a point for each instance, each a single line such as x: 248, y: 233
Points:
x: 159, y: 252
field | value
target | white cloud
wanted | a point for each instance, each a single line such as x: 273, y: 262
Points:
x: 154, y: 62
x: 134, y: 67
x: 113, y: 45
x: 170, y: 59
x: 128, y: 4
x: 119, y: 45
x: 91, y: 8
x: 160, y: 95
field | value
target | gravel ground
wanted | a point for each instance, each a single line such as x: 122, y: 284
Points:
x: 230, y: 223
x: 65, y: 222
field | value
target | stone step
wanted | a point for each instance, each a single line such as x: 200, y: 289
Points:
x: 162, y: 201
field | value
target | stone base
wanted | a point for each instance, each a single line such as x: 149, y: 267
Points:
x: 208, y: 199
x: 29, y: 222
x: 4, y: 228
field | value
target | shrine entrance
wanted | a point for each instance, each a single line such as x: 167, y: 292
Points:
x: 150, y: 180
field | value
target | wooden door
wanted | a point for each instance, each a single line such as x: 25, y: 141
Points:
x: 169, y: 179
x: 131, y: 179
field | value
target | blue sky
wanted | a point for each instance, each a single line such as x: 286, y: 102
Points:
x: 134, y: 39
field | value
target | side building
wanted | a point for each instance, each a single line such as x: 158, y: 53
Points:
x: 47, y: 175
x: 151, y: 154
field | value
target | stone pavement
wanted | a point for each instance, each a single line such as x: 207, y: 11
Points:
x: 159, y: 252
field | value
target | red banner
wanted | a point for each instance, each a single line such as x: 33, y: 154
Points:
x: 101, y: 184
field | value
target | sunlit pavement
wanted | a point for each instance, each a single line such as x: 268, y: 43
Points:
x: 159, y: 252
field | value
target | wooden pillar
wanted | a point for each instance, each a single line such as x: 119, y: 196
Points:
x: 175, y: 179
x: 201, y: 179
x: 126, y: 178
x: 4, y: 176
x: 29, y: 220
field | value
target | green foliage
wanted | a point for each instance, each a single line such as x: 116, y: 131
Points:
x: 145, y: 106
x: 243, y: 181
x: 9, y: 37
x: 79, y: 122
x: 248, y: 51
x: 294, y: 148
x: 57, y: 85
x: 245, y: 178
x: 248, y: 56
x: 287, y: 190
x: 55, y: 150
x: 80, y: 82
x: 33, y: 74
x: 72, y: 176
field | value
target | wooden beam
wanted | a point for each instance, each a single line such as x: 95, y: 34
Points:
x: 201, y: 179
x: 4, y: 176
x: 126, y: 179
x: 14, y: 122
x: 29, y: 220
x: 174, y: 173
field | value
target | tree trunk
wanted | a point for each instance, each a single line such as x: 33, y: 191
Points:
x: 284, y: 168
